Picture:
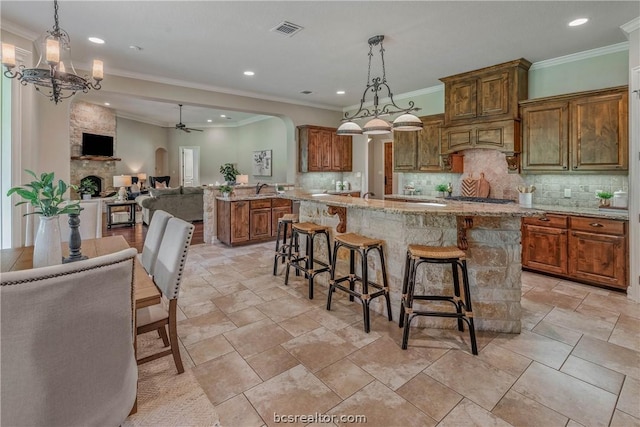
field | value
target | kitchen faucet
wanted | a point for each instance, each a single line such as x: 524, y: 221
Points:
x: 367, y: 194
x: 260, y: 187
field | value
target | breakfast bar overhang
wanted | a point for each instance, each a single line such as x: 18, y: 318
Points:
x: 490, y: 234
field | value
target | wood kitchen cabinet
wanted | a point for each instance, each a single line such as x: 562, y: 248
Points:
x: 247, y: 221
x: 419, y: 151
x: 502, y: 135
x: 585, y: 249
x: 321, y: 150
x: 580, y: 132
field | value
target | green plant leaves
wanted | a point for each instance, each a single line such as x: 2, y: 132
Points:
x: 46, y: 197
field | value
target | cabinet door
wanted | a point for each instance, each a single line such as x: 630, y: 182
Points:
x: 341, y: 153
x: 545, y: 137
x: 599, y: 133
x: 346, y: 148
x: 314, y: 152
x: 324, y: 150
x: 598, y: 258
x: 462, y: 100
x: 429, y: 144
x: 277, y: 213
x: 260, y: 223
x: 223, y: 221
x: 544, y: 248
x: 239, y: 222
x: 405, y: 151
x: 493, y: 95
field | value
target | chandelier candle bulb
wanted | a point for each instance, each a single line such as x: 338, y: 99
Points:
x: 98, y: 71
x: 53, y: 51
x: 8, y: 55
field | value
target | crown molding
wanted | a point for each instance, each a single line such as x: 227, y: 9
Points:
x: 18, y: 30
x: 631, y: 26
x: 142, y: 119
x: 592, y: 53
x: 149, y: 121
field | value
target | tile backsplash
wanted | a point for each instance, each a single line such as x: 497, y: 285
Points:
x: 549, y: 187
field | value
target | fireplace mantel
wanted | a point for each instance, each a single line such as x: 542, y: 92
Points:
x: 97, y: 158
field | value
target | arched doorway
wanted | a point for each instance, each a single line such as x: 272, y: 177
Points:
x: 162, y: 162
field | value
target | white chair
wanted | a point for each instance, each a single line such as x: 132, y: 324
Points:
x: 90, y: 221
x: 168, y: 268
x: 153, y: 240
x: 67, y: 354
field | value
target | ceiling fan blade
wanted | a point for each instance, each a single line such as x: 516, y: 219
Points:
x: 197, y: 130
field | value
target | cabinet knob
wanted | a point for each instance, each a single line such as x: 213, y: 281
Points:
x: 564, y: 167
x: 575, y: 167
x: 544, y: 218
x: 596, y: 224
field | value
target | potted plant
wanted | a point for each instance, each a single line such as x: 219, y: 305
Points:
x: 441, y: 188
x: 225, y: 190
x: 87, y: 187
x: 229, y: 172
x: 605, y: 198
x: 47, y: 200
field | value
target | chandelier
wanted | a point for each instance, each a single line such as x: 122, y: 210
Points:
x: 58, y: 77
x: 378, y: 126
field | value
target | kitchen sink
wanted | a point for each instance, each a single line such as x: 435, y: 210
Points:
x: 434, y: 204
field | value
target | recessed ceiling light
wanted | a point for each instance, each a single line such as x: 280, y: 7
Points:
x: 578, y: 21
x: 306, y: 92
x: 107, y: 104
x: 96, y: 40
x: 134, y: 47
x: 223, y: 116
x: 340, y: 92
x: 249, y: 73
x: 209, y: 120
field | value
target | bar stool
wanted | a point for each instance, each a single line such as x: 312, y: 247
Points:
x: 282, y: 250
x: 362, y: 245
x: 417, y: 255
x: 306, y: 263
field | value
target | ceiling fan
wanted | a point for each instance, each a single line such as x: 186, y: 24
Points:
x: 182, y: 126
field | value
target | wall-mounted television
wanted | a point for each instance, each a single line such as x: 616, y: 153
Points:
x: 97, y: 145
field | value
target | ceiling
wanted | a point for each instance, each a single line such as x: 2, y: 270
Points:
x: 210, y: 44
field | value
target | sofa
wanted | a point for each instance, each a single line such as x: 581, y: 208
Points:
x: 183, y: 202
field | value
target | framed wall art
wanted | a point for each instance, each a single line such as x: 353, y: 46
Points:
x: 262, y: 163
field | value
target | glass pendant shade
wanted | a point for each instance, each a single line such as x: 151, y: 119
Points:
x: 349, y: 128
x: 376, y: 126
x: 407, y: 122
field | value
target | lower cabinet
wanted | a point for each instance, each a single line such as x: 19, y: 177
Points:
x: 585, y: 249
x: 247, y: 221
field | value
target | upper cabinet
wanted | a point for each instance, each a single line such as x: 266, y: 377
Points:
x: 481, y: 107
x: 580, y: 132
x: 419, y: 151
x: 321, y: 150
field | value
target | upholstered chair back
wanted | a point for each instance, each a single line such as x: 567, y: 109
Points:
x: 153, y: 240
x: 172, y: 255
x: 154, y: 179
x: 67, y: 355
x: 90, y: 221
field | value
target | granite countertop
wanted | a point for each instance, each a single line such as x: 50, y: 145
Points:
x: 247, y: 197
x: 432, y: 206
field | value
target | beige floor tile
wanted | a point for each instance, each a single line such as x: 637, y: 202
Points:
x: 573, y: 289
x: 537, y: 347
x: 503, y: 359
x: 468, y: 413
x: 431, y: 397
x: 284, y: 308
x: 270, y: 294
x: 392, y: 366
x: 591, y: 373
x: 355, y: 335
x: 626, y: 333
x: 574, y: 423
x: 533, y: 312
x: 227, y: 285
x: 612, y: 356
x: 557, y: 332
x: 237, y: 411
x: 614, y: 302
x: 382, y: 407
x: 519, y: 410
x: 272, y: 362
x: 344, y: 377
x: 318, y: 349
x: 208, y: 349
x: 598, y: 313
x: 581, y: 323
x: 621, y: 419
x: 339, y: 317
x: 539, y: 281
x: 299, y: 325
x: 629, y: 400
x: 257, y: 337
x: 296, y: 391
x: 569, y: 396
x: 550, y: 297
x: 237, y: 301
x: 198, y: 309
x: 471, y: 377
x: 208, y: 325
x: 225, y: 377
x: 244, y: 317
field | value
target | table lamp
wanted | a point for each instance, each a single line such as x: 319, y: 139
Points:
x: 122, y: 181
x: 142, y: 177
x: 242, y: 179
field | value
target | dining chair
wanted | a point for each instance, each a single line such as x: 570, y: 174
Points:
x: 153, y: 240
x: 90, y: 221
x: 67, y: 355
x: 168, y: 269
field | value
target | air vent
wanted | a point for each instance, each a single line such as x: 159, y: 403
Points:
x: 286, y: 28
x: 306, y: 92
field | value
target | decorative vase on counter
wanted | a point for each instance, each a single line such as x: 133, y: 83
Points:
x: 47, y: 250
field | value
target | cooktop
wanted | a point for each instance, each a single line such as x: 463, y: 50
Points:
x: 479, y: 200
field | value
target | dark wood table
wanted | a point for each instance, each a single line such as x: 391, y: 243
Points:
x: 129, y: 205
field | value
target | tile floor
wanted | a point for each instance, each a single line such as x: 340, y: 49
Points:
x: 259, y: 348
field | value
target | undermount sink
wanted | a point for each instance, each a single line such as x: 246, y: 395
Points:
x: 437, y: 205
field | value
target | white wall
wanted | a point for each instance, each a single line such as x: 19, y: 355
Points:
x: 137, y: 145
x: 267, y: 134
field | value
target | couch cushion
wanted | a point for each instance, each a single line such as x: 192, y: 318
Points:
x: 192, y: 190
x: 157, y: 192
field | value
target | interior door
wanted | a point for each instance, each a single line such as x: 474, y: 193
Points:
x: 388, y: 168
x: 189, y: 166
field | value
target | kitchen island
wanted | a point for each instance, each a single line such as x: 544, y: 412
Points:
x: 490, y: 234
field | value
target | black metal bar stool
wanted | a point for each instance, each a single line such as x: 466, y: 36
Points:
x: 306, y: 262
x: 417, y: 255
x: 282, y: 249
x: 362, y: 245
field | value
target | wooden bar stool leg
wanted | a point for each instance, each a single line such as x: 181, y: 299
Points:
x: 385, y: 283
